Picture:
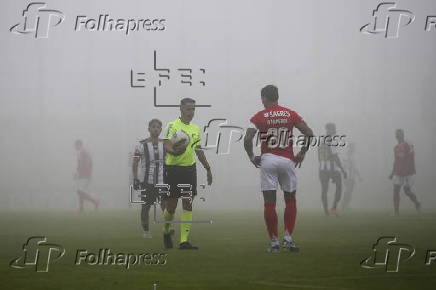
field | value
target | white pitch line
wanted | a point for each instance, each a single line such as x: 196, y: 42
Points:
x: 387, y: 275
x: 298, y: 286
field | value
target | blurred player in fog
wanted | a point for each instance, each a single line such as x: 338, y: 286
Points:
x: 403, y: 171
x: 151, y: 153
x: 330, y: 168
x: 129, y: 166
x: 83, y: 175
x: 353, y: 173
x: 277, y: 161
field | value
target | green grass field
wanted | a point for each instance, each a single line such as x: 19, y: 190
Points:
x: 231, y: 256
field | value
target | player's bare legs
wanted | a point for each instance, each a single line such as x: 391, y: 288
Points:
x: 396, y: 199
x: 85, y: 196
x: 338, y: 183
x: 270, y: 215
x: 324, y: 190
x: 145, y: 218
x: 412, y: 197
x: 81, y: 201
x: 348, y: 191
x: 170, y: 209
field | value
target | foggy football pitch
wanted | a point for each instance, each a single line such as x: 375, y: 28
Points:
x: 231, y: 256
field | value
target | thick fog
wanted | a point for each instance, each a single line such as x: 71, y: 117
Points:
x: 77, y: 85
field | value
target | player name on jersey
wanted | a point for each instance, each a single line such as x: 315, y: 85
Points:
x: 277, y: 114
x: 276, y: 121
x: 275, y: 125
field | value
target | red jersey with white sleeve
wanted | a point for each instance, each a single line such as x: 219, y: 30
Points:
x: 404, y: 164
x: 84, y: 164
x: 275, y: 125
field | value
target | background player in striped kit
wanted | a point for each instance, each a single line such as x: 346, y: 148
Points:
x: 330, y: 167
x: 151, y: 153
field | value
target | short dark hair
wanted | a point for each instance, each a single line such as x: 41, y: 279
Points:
x: 330, y: 125
x: 270, y: 92
x: 154, y: 121
x: 78, y: 142
x: 186, y: 100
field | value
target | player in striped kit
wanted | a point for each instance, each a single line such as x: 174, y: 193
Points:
x: 150, y: 152
x: 330, y: 168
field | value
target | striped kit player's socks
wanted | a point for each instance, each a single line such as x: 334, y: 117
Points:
x: 290, y: 215
x: 168, y: 217
x: 185, y: 228
x: 270, y: 216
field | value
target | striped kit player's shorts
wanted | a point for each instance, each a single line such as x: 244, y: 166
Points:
x: 275, y: 170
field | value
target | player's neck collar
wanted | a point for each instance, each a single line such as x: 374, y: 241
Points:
x: 272, y: 105
x: 180, y: 118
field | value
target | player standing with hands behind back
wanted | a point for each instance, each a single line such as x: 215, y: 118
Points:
x: 277, y: 162
x: 180, y: 169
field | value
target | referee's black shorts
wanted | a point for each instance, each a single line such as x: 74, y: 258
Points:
x: 181, y: 180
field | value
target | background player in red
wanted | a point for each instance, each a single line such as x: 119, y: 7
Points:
x: 277, y: 161
x: 403, y: 171
x: 83, y: 175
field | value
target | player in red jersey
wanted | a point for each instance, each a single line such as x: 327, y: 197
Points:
x: 83, y: 175
x: 277, y: 161
x: 403, y: 171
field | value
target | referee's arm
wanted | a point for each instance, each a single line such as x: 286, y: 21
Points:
x: 202, y: 158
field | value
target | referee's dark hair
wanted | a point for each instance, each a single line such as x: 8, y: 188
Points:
x: 186, y: 100
x: 154, y: 121
x: 270, y: 92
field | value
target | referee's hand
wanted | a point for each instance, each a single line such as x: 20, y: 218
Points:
x: 178, y: 149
